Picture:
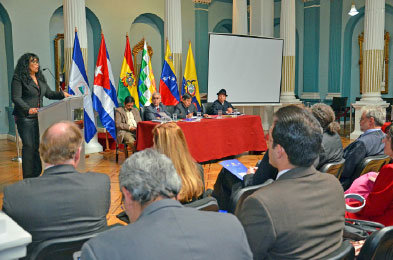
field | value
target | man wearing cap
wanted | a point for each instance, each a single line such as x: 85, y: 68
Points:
x: 222, y: 104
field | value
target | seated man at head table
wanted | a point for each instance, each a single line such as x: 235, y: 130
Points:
x: 185, y: 109
x: 301, y: 214
x: 62, y: 202
x: 126, y: 119
x: 156, y: 109
x: 222, y: 104
x: 161, y: 227
x: 368, y: 144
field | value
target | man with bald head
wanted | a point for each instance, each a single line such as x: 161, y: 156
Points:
x: 61, y: 202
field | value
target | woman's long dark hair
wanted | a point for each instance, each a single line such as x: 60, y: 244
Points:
x: 22, y: 69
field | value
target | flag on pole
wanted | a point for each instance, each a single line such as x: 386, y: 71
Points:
x: 190, y: 81
x: 147, y: 85
x: 128, y: 86
x: 104, y: 92
x: 79, y: 86
x: 168, y: 82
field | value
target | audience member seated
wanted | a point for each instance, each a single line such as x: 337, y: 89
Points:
x: 301, y: 214
x: 169, y: 139
x: 332, y: 147
x: 379, y: 202
x: 61, y: 202
x: 368, y: 144
x: 161, y: 227
x: 222, y: 104
x: 332, y: 151
x: 156, y: 110
x: 127, y: 119
x: 185, y: 109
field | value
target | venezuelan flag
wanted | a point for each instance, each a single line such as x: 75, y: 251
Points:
x: 168, y: 82
x: 190, y: 81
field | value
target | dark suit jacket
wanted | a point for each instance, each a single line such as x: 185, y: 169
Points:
x: 183, y: 111
x: 298, y: 216
x: 26, y: 96
x: 368, y: 144
x: 167, y: 230
x: 332, y: 149
x: 121, y: 122
x: 151, y: 111
x: 218, y: 106
x: 62, y: 202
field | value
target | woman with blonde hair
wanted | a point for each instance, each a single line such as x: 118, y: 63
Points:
x: 169, y: 139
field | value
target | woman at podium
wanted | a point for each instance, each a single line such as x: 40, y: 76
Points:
x: 28, y: 88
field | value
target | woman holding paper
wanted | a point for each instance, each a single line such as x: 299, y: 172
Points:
x: 28, y: 87
x: 169, y: 139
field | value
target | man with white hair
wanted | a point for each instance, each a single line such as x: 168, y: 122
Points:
x: 368, y: 144
x: 161, y: 227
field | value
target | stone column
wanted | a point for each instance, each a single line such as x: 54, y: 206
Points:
x: 75, y: 17
x: 239, y: 17
x: 262, y: 17
x: 287, y: 32
x: 173, y: 32
x: 373, y: 48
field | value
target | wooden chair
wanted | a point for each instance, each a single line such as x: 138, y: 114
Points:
x: 335, y: 168
x: 371, y: 164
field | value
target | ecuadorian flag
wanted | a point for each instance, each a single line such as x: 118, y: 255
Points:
x: 168, y: 82
x: 190, y: 81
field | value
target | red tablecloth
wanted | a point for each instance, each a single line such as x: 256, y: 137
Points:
x: 213, y: 138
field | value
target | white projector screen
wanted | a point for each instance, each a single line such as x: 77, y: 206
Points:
x: 248, y: 67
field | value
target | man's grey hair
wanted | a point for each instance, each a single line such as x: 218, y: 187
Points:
x: 156, y: 94
x: 376, y: 112
x: 149, y: 174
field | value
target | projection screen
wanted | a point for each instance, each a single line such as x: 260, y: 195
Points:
x: 248, y: 67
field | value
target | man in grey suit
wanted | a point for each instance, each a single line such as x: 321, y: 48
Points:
x: 301, y: 214
x: 156, y: 110
x: 126, y: 119
x: 185, y: 109
x: 61, y: 202
x: 161, y: 227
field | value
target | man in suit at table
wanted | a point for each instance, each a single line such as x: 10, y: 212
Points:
x: 185, y: 109
x: 61, y: 202
x: 368, y: 144
x: 301, y: 214
x: 161, y: 227
x: 156, y: 109
x: 126, y: 119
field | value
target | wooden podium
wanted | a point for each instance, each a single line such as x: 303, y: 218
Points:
x: 70, y: 109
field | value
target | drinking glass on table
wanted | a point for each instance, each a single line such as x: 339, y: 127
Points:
x: 174, y: 117
x: 199, y: 115
x: 219, y: 114
x: 235, y: 112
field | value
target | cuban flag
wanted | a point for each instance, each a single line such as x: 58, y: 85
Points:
x: 79, y: 86
x: 104, y: 92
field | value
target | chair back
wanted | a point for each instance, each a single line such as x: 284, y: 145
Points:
x: 205, y: 204
x: 378, y: 246
x: 334, y: 168
x: 207, y: 108
x: 371, y: 164
x: 142, y: 112
x: 345, y: 252
x: 59, y: 248
x: 339, y: 103
x: 171, y: 109
x: 238, y: 197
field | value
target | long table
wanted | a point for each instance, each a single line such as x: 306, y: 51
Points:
x: 211, y: 139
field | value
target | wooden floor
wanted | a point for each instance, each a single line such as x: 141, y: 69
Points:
x: 11, y: 171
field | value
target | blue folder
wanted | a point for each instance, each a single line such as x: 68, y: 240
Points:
x: 235, y: 167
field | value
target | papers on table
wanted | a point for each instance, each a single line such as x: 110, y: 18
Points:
x: 235, y: 167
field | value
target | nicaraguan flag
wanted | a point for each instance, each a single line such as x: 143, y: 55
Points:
x: 79, y: 86
x: 104, y: 92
